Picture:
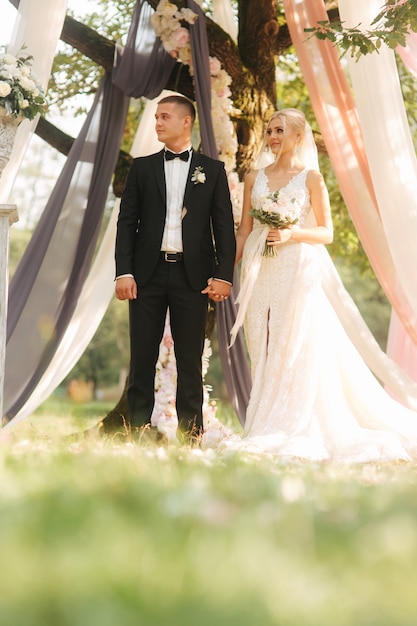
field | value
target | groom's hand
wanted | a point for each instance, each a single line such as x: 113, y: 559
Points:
x: 217, y: 290
x: 126, y: 288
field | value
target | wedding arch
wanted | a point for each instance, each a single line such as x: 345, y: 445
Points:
x: 56, y: 297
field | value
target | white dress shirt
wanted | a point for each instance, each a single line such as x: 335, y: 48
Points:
x: 176, y: 174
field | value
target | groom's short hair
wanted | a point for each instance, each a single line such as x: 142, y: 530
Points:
x: 181, y: 101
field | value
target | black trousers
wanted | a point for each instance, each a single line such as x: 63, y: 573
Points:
x: 168, y: 289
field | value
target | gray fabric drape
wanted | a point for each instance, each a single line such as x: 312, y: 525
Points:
x: 142, y: 67
x: 202, y: 80
x: 45, y: 288
x: 234, y: 360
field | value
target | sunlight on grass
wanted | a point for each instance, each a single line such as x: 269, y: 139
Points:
x: 97, y: 532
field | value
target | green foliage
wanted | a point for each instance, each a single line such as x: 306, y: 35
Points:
x: 73, y: 74
x: 100, y: 534
x: 408, y: 84
x: 73, y: 416
x: 19, y: 239
x: 390, y: 26
x: 113, y: 19
x: 74, y: 78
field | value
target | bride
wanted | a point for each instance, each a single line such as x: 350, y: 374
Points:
x: 313, y: 396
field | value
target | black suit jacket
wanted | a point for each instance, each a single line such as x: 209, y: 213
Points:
x: 207, y: 224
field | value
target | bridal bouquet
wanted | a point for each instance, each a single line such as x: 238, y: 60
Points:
x: 19, y: 92
x: 268, y: 213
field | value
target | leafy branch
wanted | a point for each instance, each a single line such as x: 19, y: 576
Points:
x: 391, y: 26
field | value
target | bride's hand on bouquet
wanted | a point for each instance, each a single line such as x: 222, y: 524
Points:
x: 278, y: 235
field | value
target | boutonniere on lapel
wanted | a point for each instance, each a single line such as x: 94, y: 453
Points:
x: 198, y: 175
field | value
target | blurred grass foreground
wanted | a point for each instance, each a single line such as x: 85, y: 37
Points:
x: 102, y: 533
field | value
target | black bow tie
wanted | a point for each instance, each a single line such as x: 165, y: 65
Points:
x: 184, y: 156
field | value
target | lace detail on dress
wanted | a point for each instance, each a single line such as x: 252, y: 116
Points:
x: 273, y: 311
x: 294, y: 195
x: 293, y: 200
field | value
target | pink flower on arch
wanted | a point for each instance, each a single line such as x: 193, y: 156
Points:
x: 168, y: 342
x: 215, y: 66
x: 181, y: 37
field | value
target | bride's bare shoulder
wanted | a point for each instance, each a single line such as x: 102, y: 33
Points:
x: 250, y: 176
x: 314, y: 177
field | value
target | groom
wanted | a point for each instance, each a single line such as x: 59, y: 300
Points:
x: 175, y: 247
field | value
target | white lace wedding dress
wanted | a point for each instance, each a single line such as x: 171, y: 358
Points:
x: 313, y: 397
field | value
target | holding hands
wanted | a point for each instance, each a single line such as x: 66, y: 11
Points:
x: 217, y: 290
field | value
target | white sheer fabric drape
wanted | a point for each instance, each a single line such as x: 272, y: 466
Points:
x: 92, y: 305
x: 38, y: 27
x: 224, y: 17
x: 389, y: 147
x: 98, y: 289
x: 394, y: 377
x: 392, y: 162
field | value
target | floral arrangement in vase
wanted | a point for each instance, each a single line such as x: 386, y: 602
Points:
x: 20, y: 94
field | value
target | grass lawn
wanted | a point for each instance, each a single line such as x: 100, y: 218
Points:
x: 98, y: 532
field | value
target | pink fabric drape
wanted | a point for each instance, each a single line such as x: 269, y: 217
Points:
x: 336, y: 114
x: 408, y: 53
x: 392, y: 161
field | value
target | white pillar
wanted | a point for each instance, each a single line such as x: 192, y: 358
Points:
x: 8, y: 216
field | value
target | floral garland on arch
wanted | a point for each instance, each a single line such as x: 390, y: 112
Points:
x: 164, y: 415
x: 168, y: 23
